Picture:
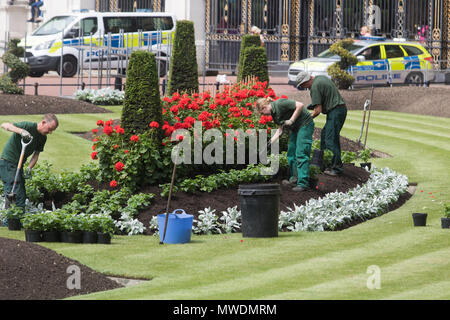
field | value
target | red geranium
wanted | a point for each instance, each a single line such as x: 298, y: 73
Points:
x: 154, y: 124
x: 119, y: 166
x: 113, y: 184
x: 94, y: 155
x: 108, y: 130
x: 100, y: 123
x: 94, y: 131
x: 134, y: 138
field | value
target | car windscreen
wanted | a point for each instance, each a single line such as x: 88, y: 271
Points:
x: 54, y: 25
x: 353, y: 48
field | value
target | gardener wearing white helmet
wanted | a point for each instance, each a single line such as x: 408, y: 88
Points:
x: 326, y: 99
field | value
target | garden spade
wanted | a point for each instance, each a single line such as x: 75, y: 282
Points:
x: 11, y: 196
x: 368, y: 119
x: 364, y: 120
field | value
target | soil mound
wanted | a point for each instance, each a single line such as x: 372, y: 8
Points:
x: 14, y: 104
x: 29, y: 271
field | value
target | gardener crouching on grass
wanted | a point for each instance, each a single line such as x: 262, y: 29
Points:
x: 326, y: 99
x: 11, y: 153
x: 292, y: 114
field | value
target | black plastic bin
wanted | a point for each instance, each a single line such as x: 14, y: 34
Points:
x: 260, y: 206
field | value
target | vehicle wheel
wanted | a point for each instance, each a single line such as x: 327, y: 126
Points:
x: 69, y: 67
x: 414, y: 79
x: 36, y: 74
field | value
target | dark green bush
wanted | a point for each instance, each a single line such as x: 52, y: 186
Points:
x: 338, y: 70
x: 17, y: 69
x: 248, y: 40
x: 183, y: 72
x: 142, y: 103
x: 254, y: 64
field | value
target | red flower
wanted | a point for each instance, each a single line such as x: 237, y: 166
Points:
x: 180, y: 137
x: 100, y: 123
x: 94, y: 155
x: 108, y: 130
x: 154, y: 124
x: 119, y: 166
x: 119, y: 130
x: 115, y: 146
x: 94, y: 131
x: 126, y: 151
x: 134, y: 138
x: 113, y: 184
x: 109, y: 122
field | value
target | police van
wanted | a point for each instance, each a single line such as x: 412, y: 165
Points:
x: 96, y: 33
x: 380, y: 62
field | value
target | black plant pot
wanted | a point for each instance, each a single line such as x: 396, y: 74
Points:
x: 89, y: 237
x: 75, y: 237
x: 445, y: 223
x: 420, y: 219
x: 14, y: 224
x: 103, y: 238
x: 313, y: 183
x: 366, y: 165
x: 51, y: 236
x: 33, y: 236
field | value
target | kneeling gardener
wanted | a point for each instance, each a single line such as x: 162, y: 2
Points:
x: 292, y: 114
x: 11, y: 152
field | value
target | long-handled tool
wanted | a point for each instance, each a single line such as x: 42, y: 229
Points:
x: 366, y: 104
x: 11, y: 196
x: 168, y: 200
x: 368, y: 119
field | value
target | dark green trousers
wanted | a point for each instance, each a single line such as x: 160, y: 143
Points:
x: 330, y: 136
x: 298, y: 154
x: 7, y: 174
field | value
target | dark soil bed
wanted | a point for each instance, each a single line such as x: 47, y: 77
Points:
x: 29, y: 271
x: 13, y: 104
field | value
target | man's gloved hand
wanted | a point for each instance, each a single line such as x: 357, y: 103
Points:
x: 288, y: 122
x: 27, y: 173
x: 25, y: 134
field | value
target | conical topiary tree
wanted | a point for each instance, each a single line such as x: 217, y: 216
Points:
x: 142, y: 103
x: 17, y: 69
x: 254, y: 64
x: 183, y: 71
x: 248, y: 40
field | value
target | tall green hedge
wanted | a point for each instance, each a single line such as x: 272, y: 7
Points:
x: 254, y: 64
x: 248, y: 40
x: 183, y: 71
x: 142, y: 103
x: 338, y: 70
x: 17, y: 69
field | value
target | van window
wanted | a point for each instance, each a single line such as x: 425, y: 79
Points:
x: 393, y: 51
x: 133, y: 24
x: 412, y: 51
x: 88, y: 25
x: 54, y: 25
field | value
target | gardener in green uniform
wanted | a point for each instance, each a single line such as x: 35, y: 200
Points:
x: 326, y: 99
x: 11, y: 153
x: 292, y: 114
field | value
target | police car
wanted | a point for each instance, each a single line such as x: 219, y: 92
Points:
x: 380, y: 62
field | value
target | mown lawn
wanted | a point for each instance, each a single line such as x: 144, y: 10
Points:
x: 413, y: 262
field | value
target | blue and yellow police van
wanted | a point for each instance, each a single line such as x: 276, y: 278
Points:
x: 380, y: 62
x: 96, y: 38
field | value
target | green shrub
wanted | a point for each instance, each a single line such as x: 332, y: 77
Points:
x: 17, y: 69
x: 248, y: 40
x: 254, y: 64
x: 142, y: 102
x: 338, y: 70
x: 183, y: 73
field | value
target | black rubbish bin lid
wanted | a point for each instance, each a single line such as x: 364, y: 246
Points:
x: 259, y: 189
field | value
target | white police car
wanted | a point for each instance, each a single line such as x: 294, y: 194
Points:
x: 379, y: 63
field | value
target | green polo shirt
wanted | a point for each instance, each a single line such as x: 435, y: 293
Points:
x: 324, y: 92
x: 13, y: 146
x: 282, y: 110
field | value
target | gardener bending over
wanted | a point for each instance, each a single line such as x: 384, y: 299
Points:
x: 326, y: 99
x: 293, y: 115
x: 11, y: 153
